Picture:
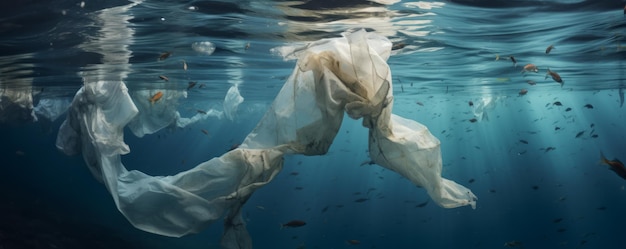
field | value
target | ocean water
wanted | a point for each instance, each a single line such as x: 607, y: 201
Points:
x: 533, y: 159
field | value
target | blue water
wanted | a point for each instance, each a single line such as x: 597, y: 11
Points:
x: 560, y: 198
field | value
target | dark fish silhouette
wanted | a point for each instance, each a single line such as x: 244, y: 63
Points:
x: 164, y: 56
x: 421, y: 205
x: 580, y: 134
x: 523, y: 141
x: 615, y: 165
x: 568, y: 109
x: 557, y: 103
x: 325, y: 209
x: 191, y: 84
x: 549, y: 48
x: 361, y: 200
x: 555, y: 76
x: 589, y: 106
x: 293, y: 223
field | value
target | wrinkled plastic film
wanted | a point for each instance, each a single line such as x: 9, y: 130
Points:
x: 332, y: 76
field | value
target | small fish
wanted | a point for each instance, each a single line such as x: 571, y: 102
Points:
x: 556, y: 128
x: 557, y: 103
x: 470, y: 103
x: 298, y: 188
x: 513, y: 243
x: 568, y: 109
x: 294, y: 173
x: 594, y: 136
x: 580, y: 134
x: 588, y: 106
x: 550, y: 149
x: 555, y: 76
x: 155, y: 97
x: 191, y: 84
x: 530, y: 68
x: 353, y: 242
x: 164, y: 56
x: 421, y: 205
x: 293, y: 223
x: 523, y: 92
x: 592, y: 125
x: 260, y: 207
x: 513, y: 60
x: 497, y: 57
x: 163, y: 77
x: 361, y: 200
x: 201, y: 111
x: 325, y: 209
x: 233, y: 147
x: 399, y: 45
x: 615, y: 165
x: 549, y: 48
x: 247, y: 46
x: 523, y: 141
x: 473, y: 120
x: 531, y: 82
x: 557, y: 220
x: 419, y: 103
x: 560, y: 230
x: 602, y: 208
x: 471, y: 180
x: 202, y: 85
x: 535, y: 187
x: 204, y: 131
x: 184, y: 65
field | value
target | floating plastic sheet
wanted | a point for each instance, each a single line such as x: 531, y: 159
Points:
x: 155, y: 115
x: 332, y: 77
x: 51, y: 108
x: 16, y: 104
x: 232, y: 101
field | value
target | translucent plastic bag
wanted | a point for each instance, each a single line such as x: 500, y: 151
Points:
x: 332, y: 77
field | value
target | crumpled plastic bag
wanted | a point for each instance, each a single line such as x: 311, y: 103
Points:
x: 332, y: 77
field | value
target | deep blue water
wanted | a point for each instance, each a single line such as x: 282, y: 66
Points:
x: 558, y: 198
